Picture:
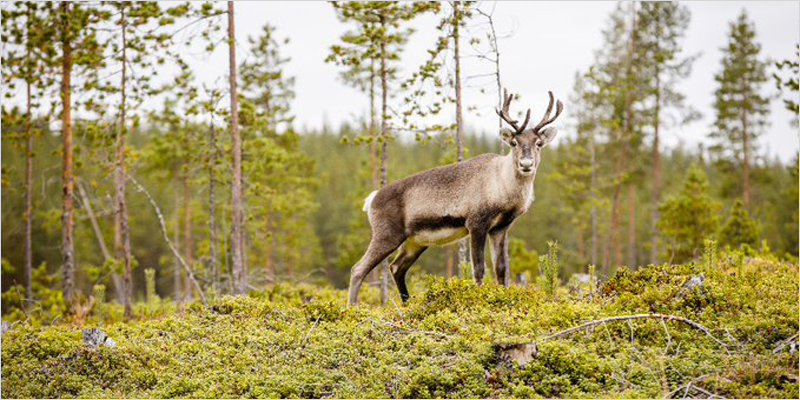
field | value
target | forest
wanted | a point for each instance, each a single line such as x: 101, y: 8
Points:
x: 215, y: 217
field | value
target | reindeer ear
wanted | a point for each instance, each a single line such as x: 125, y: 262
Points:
x: 506, y: 135
x: 548, y: 134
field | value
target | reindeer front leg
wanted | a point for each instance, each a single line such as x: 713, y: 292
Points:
x: 478, y: 243
x: 499, y: 241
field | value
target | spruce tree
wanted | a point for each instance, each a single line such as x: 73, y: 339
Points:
x: 688, y: 218
x: 660, y: 32
x: 739, y: 229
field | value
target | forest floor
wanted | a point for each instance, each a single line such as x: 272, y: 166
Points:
x: 452, y: 340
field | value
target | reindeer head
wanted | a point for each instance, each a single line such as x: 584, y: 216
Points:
x: 526, y: 143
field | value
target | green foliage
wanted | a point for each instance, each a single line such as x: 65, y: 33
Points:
x: 522, y: 260
x: 302, y: 341
x: 688, y: 217
x: 740, y: 228
x: 549, y: 269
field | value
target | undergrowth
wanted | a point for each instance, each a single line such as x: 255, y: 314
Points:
x: 302, y: 341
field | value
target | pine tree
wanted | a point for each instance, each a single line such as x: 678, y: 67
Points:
x: 22, y: 60
x: 688, y: 218
x: 660, y: 31
x: 741, y: 110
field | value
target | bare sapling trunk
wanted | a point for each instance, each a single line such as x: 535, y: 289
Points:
x: 187, y: 229
x: 28, y: 211
x: 238, y: 267
x: 122, y: 244
x: 212, y: 209
x: 631, y: 225
x: 67, y: 217
x: 176, y: 273
x: 656, y: 169
x: 462, y: 245
x: 384, y: 147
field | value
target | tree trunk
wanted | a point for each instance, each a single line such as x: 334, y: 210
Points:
x: 631, y: 225
x: 462, y: 245
x: 746, y: 163
x: 212, y: 208
x: 122, y: 243
x: 384, y: 147
x: 269, y: 267
x: 176, y: 274
x: 656, y: 170
x: 27, y: 213
x: 373, y: 146
x: 239, y: 275
x: 187, y: 230
x: 67, y: 217
x: 449, y: 261
x: 593, y: 205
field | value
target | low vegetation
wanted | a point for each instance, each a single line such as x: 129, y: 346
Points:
x: 302, y: 341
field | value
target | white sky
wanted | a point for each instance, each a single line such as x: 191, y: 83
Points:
x: 548, y: 43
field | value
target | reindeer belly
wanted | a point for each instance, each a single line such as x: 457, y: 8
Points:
x: 438, y: 236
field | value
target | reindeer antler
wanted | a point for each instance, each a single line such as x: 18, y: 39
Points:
x: 503, y: 113
x: 545, y: 121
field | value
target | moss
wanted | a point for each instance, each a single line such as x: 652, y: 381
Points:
x: 302, y: 341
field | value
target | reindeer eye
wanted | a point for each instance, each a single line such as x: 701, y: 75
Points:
x: 513, y: 142
x: 539, y: 143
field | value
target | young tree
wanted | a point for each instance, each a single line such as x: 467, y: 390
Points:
x: 22, y: 60
x: 740, y: 228
x: 741, y: 109
x: 660, y: 30
x: 689, y: 217
x: 75, y: 26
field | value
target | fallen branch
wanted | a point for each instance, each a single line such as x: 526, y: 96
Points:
x: 522, y: 353
x: 160, y: 216
x: 662, y: 317
x: 689, y: 387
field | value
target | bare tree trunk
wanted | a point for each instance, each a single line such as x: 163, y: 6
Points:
x: 187, y: 230
x: 448, y: 261
x: 656, y: 170
x: 212, y: 208
x: 616, y: 236
x: 373, y: 146
x: 628, y: 151
x: 384, y: 147
x: 177, y: 285
x: 239, y: 275
x: 269, y: 267
x: 122, y: 243
x: 28, y: 211
x: 746, y: 163
x: 631, y: 225
x: 67, y: 217
x: 462, y: 245
x: 593, y: 196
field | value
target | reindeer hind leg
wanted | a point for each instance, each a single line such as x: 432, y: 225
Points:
x: 379, y: 248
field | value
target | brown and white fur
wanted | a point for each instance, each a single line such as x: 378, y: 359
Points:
x: 479, y: 197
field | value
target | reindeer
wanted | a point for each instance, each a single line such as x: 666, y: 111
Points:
x: 480, y: 197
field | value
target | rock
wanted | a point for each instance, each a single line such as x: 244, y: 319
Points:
x: 520, y: 353
x: 95, y: 337
x: 695, y: 281
x: 6, y: 326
